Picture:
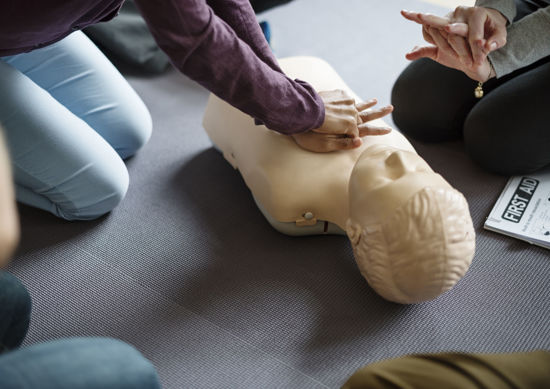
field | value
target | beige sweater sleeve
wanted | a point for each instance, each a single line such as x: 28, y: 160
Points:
x: 528, y: 39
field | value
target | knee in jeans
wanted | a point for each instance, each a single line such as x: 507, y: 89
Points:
x: 91, y: 362
x: 132, y: 369
x: 14, y: 294
x: 100, y: 193
x: 135, y: 131
x: 15, y: 310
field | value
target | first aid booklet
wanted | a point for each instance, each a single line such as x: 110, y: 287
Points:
x: 523, y: 209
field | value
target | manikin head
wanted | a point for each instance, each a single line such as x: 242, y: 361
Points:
x: 411, y: 232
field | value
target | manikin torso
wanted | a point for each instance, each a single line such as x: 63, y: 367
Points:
x: 289, y: 184
x: 357, y: 191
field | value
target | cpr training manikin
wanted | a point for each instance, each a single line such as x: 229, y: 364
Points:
x: 411, y: 231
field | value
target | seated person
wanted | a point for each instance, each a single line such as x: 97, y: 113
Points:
x: 484, y: 79
x: 72, y: 363
x: 520, y: 370
x: 411, y: 232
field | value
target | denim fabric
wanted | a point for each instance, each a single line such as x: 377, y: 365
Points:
x: 217, y: 43
x: 15, y: 312
x: 70, y: 118
x: 77, y: 363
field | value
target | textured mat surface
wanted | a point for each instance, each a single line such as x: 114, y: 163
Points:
x: 187, y: 270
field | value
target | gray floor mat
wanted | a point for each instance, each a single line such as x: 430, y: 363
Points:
x: 188, y: 271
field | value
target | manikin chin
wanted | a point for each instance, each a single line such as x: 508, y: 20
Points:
x: 411, y: 231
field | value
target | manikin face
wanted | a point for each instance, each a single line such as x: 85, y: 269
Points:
x: 384, y: 178
x: 411, y: 232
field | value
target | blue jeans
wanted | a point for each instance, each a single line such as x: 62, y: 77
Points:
x: 70, y: 119
x: 15, y: 312
x: 75, y: 363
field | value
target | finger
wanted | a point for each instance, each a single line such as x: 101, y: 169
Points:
x: 412, y: 16
x: 483, y: 47
x: 366, y: 104
x: 440, y: 42
x: 348, y: 124
x: 370, y: 130
x: 373, y: 114
x: 458, y: 29
x: 462, y: 49
x: 460, y: 14
x: 475, y: 36
x: 497, y: 39
x: 340, y: 126
x: 433, y: 20
x: 339, y: 119
x: 326, y: 143
x: 426, y: 35
x: 344, y: 143
x: 425, y: 18
x: 491, y: 46
x: 422, y: 52
x: 337, y: 96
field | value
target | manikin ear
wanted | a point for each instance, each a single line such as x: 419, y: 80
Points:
x: 354, y: 231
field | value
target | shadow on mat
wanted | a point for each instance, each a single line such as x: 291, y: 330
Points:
x: 265, y: 286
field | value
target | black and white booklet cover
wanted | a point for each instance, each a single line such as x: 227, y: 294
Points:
x: 523, y: 209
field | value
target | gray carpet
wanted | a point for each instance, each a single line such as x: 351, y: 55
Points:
x: 187, y: 270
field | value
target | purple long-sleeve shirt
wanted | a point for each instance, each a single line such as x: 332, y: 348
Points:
x: 217, y: 43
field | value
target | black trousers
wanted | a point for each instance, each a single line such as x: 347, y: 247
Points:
x: 263, y: 5
x: 506, y: 132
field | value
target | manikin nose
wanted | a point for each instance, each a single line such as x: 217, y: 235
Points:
x: 399, y: 163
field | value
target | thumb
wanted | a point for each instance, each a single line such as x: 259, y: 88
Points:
x: 495, y: 43
x: 422, y: 52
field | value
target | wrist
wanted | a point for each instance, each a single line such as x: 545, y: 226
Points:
x: 492, y: 72
x: 498, y: 16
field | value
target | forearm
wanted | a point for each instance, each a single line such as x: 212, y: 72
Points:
x: 207, y: 49
x: 528, y: 41
x: 9, y: 223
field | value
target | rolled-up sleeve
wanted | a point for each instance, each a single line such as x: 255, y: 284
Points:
x: 236, y: 68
